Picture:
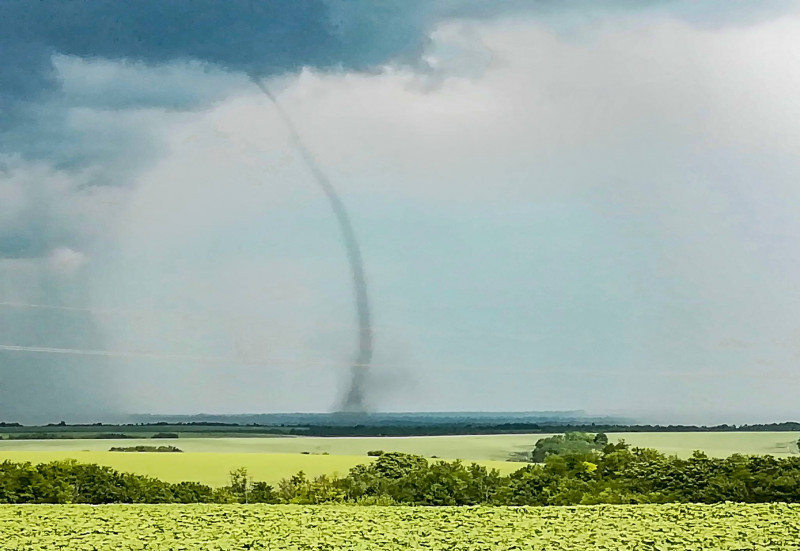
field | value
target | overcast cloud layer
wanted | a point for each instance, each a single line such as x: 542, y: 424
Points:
x: 586, y: 207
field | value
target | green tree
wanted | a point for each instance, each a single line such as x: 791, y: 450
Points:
x: 261, y: 492
x: 396, y: 465
x: 240, y: 484
x: 565, y: 444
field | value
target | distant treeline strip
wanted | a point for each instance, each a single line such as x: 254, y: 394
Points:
x: 57, y: 436
x: 524, y: 428
x: 615, y: 474
x: 358, y: 429
x: 81, y: 436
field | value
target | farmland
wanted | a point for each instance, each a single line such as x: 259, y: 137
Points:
x: 715, y: 444
x: 490, y: 447
x: 213, y: 468
x: 481, y: 447
x: 208, y: 460
x: 162, y: 527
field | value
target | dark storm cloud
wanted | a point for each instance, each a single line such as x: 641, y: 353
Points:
x: 268, y: 37
x: 39, y: 41
x: 258, y: 38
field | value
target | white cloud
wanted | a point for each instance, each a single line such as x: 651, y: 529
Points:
x: 49, y: 207
x: 122, y: 84
x: 66, y: 261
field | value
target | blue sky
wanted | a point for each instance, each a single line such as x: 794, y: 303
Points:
x: 581, y: 206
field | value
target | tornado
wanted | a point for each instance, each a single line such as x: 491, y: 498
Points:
x: 354, y: 399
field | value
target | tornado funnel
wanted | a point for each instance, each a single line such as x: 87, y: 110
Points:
x: 354, y: 400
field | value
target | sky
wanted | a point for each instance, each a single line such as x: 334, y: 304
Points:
x: 560, y: 206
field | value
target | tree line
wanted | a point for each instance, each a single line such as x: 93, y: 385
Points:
x: 54, y: 430
x: 520, y: 428
x: 615, y: 473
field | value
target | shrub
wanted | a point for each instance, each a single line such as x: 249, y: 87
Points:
x: 111, y: 436
x: 145, y: 449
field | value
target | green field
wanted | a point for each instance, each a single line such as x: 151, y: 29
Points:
x: 482, y: 447
x: 218, y: 527
x: 490, y: 447
x: 214, y: 468
x: 209, y: 460
x: 715, y: 444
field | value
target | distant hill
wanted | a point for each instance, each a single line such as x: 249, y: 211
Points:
x: 394, y: 419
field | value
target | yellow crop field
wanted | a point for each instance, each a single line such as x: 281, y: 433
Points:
x: 209, y: 460
x: 492, y: 447
x: 220, y: 527
x: 715, y: 444
x: 213, y: 468
x: 483, y: 447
